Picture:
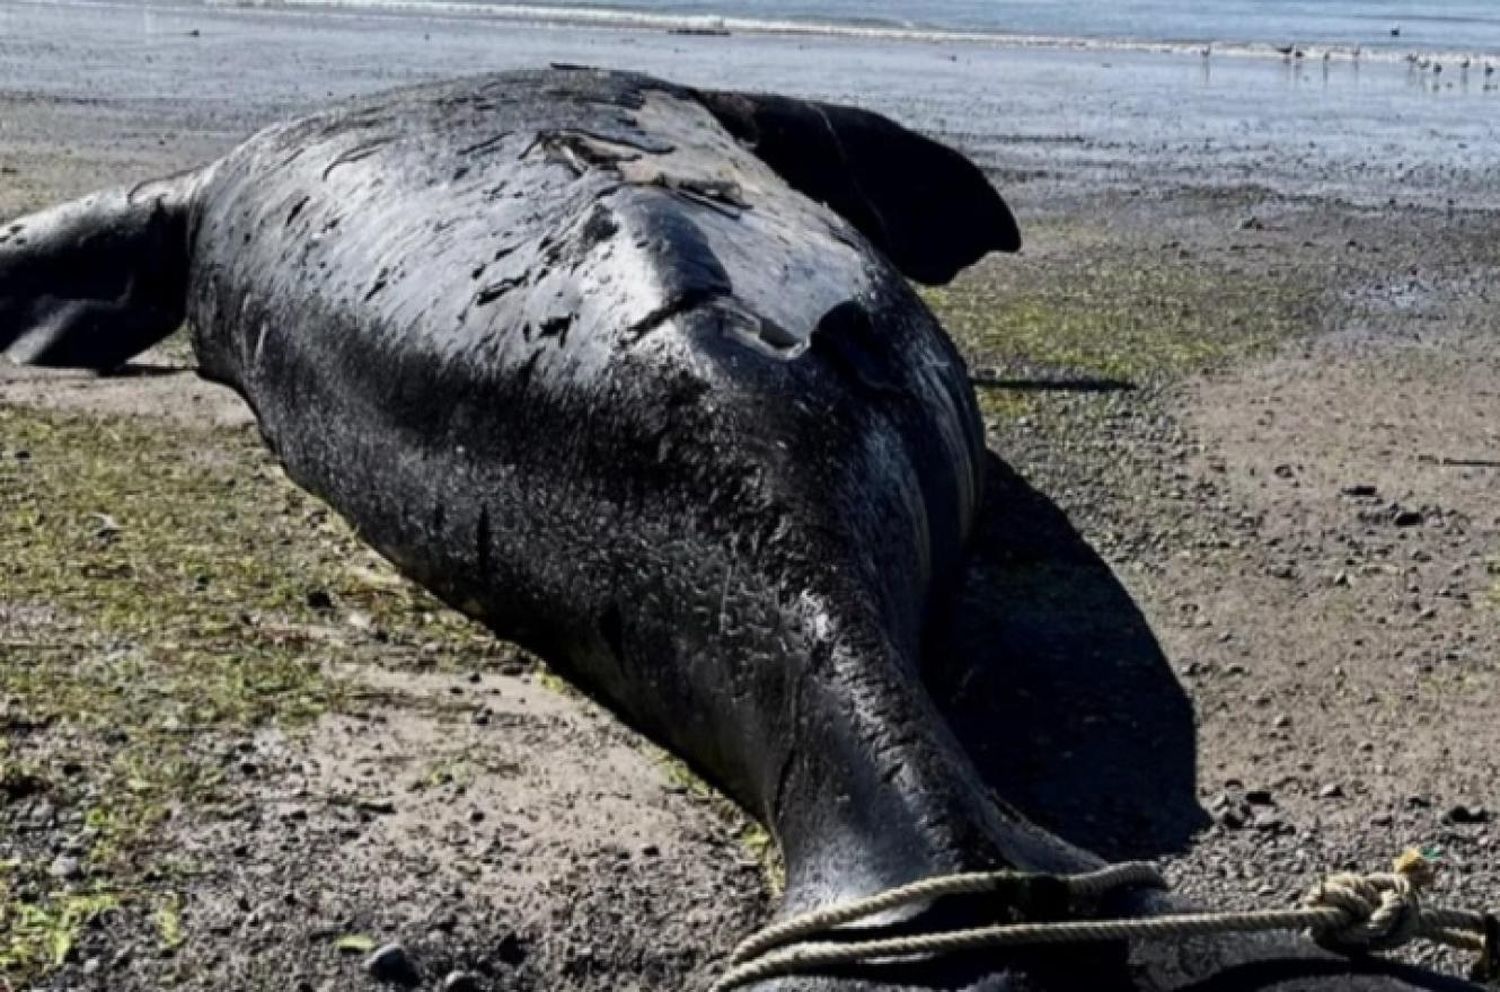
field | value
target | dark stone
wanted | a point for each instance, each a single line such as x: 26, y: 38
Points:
x: 511, y: 950
x: 392, y: 964
x: 1462, y: 814
x: 460, y: 981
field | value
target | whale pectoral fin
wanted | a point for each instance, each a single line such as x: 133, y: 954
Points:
x: 926, y: 206
x: 91, y: 283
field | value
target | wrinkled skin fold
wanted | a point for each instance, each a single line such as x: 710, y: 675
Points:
x: 633, y: 375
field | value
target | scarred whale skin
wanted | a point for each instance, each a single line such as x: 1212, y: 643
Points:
x: 578, y: 360
x: 632, y: 374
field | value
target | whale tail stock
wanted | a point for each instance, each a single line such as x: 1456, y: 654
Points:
x: 92, y: 283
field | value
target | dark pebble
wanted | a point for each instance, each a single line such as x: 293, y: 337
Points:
x: 511, y: 950
x: 392, y: 964
x: 460, y: 981
x: 1467, y: 814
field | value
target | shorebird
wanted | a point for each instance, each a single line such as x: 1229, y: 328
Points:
x: 1489, y: 70
x: 1395, y: 30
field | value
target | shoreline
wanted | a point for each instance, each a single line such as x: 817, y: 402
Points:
x: 1040, y: 119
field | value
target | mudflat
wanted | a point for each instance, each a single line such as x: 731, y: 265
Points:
x: 1240, y: 574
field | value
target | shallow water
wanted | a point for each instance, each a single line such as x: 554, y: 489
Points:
x: 1367, y: 131
x: 1448, y: 24
x: 1389, y: 28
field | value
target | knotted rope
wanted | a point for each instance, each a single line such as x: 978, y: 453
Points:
x: 1346, y: 912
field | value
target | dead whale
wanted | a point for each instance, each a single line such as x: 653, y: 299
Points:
x: 632, y: 374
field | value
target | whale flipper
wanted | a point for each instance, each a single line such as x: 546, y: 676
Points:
x: 91, y: 283
x: 925, y: 206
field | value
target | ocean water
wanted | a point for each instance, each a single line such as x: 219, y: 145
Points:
x: 1377, y: 28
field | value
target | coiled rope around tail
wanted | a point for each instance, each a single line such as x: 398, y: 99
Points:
x: 1346, y: 912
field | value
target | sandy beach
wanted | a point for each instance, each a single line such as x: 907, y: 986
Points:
x: 1236, y: 604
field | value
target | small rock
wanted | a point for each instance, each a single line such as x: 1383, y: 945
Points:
x: 1259, y: 797
x: 391, y: 963
x: 1282, y: 721
x: 460, y: 981
x: 1467, y: 814
x: 1408, y: 518
x: 1360, y: 490
x: 1269, y: 822
x: 511, y: 951
x: 66, y: 868
x: 1230, y: 813
x: 320, y: 599
x: 1252, y: 223
x: 1331, y: 791
x: 1418, y: 802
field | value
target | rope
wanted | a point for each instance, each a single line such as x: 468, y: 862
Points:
x: 1345, y: 912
